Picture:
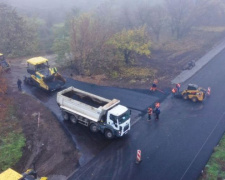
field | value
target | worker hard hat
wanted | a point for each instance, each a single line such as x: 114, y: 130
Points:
x: 157, y: 104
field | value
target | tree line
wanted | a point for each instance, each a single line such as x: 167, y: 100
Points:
x: 108, y: 37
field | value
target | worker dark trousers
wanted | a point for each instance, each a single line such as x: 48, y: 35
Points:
x: 156, y: 116
x: 149, y: 116
x: 19, y: 87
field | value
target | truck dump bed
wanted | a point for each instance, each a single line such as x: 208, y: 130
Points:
x: 84, y: 104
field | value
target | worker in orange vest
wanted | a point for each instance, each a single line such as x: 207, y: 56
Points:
x: 154, y: 85
x: 157, y: 110
x: 174, y: 91
x: 178, y: 87
x: 150, y: 110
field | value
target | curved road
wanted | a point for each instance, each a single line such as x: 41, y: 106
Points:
x: 177, y: 146
x: 90, y: 144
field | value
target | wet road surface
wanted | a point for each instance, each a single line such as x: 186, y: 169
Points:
x: 177, y: 146
x: 88, y: 143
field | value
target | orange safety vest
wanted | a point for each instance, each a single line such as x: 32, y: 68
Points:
x: 149, y: 110
x: 173, y: 90
x: 178, y: 85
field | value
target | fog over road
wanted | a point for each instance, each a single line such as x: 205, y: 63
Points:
x: 177, y: 146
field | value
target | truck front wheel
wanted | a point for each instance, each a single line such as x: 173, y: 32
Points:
x: 65, y: 116
x: 73, y: 119
x: 93, y: 128
x: 108, y: 134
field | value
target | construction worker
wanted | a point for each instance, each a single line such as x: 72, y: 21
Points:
x: 154, y: 85
x: 178, y: 87
x: 150, y: 110
x: 174, y: 91
x: 157, y: 110
x: 19, y: 83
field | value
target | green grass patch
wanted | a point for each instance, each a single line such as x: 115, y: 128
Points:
x: 11, y: 149
x: 215, y: 168
x: 12, y: 139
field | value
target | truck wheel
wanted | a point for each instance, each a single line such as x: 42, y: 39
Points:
x: 93, y: 128
x: 185, y: 96
x: 194, y: 99
x: 65, y: 116
x: 108, y: 134
x: 73, y: 119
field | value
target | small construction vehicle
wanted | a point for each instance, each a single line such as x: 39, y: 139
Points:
x: 195, y: 93
x: 41, y: 75
x: 189, y: 65
x: 4, y: 65
x: 30, y: 174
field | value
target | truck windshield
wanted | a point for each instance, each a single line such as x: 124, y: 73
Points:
x: 125, y: 116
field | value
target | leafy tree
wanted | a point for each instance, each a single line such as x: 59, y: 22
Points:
x: 131, y: 42
x: 61, y: 44
x: 18, y: 34
x: 88, y: 37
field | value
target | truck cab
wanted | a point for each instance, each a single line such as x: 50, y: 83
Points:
x: 119, y: 118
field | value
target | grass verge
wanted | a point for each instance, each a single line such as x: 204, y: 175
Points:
x: 215, y: 168
x: 12, y: 139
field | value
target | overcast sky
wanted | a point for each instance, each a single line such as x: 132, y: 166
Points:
x: 52, y: 3
x: 48, y: 4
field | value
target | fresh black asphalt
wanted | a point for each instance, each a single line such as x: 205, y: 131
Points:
x: 88, y: 143
x: 177, y: 146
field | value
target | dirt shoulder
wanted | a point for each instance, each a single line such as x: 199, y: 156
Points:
x: 47, y: 145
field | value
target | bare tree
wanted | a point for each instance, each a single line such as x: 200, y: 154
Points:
x: 180, y: 12
x: 156, y: 20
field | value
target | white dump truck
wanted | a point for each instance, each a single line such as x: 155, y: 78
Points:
x: 95, y: 112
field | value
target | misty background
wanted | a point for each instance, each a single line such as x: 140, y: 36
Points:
x: 57, y: 9
x: 111, y: 36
